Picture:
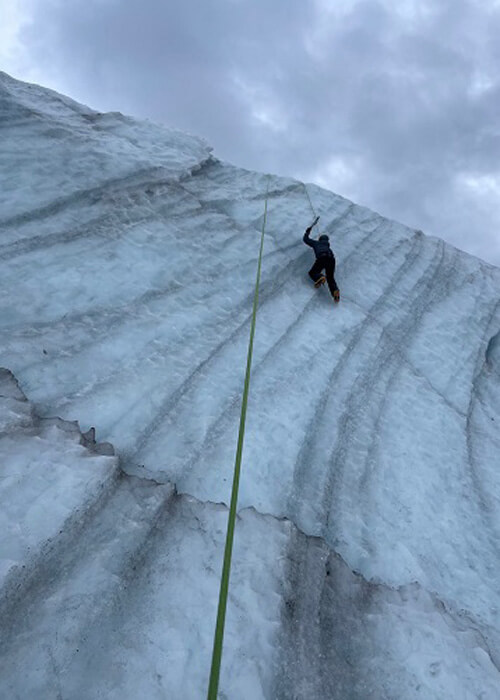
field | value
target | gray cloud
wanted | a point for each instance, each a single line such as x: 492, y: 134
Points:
x: 396, y: 109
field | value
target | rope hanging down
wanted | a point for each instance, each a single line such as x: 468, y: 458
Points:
x: 310, y: 203
x: 226, y: 567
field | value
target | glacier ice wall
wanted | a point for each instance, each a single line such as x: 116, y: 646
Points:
x: 367, y: 556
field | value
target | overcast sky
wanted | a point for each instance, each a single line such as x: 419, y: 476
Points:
x: 393, y: 104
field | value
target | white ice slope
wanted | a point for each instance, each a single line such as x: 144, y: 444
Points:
x: 367, y: 551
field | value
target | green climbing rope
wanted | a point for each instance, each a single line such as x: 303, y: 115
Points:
x: 228, y: 550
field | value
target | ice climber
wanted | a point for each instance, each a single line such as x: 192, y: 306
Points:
x: 325, y: 260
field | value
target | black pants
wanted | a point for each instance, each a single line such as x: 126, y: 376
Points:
x: 327, y: 264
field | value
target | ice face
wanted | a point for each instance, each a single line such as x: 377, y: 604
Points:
x: 366, y: 555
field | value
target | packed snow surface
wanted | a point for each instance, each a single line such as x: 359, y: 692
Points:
x: 367, y: 551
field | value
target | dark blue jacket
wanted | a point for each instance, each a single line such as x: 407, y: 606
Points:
x: 321, y: 247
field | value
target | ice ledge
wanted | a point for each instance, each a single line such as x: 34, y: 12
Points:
x: 333, y: 621
x: 17, y: 414
x: 313, y: 567
x: 52, y: 477
x: 20, y: 424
